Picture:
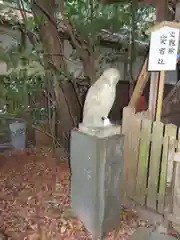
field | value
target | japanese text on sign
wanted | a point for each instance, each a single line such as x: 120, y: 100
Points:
x: 163, y: 49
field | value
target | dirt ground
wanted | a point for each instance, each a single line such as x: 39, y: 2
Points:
x: 35, y: 204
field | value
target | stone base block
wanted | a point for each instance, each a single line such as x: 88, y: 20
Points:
x: 96, y: 181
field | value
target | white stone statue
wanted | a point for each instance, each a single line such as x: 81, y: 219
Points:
x: 100, y: 99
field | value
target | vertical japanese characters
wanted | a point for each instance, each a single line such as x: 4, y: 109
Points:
x: 168, y: 45
x: 163, y: 49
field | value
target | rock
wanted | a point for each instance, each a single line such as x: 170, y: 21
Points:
x: 100, y: 98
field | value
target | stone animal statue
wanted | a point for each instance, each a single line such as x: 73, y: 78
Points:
x: 100, y: 99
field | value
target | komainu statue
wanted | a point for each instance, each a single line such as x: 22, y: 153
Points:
x: 100, y: 99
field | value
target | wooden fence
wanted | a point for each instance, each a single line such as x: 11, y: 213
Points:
x: 173, y: 216
x: 148, y: 154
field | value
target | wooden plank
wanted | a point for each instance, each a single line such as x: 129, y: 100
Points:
x: 160, y: 95
x: 154, y: 165
x: 177, y: 12
x: 153, y: 93
x: 163, y: 176
x: 166, y: 165
x: 131, y: 129
x: 176, y: 195
x: 171, y: 133
x: 161, y: 12
x: 134, y: 140
x: 140, y: 85
x: 128, y: 114
x: 177, y: 157
x: 143, y: 161
x: 176, y: 190
x: 177, y: 144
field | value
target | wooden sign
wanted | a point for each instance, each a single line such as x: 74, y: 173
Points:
x: 163, y: 49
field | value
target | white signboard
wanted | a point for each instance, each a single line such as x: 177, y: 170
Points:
x: 163, y: 49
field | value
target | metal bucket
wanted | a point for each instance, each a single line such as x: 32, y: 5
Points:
x: 18, y: 135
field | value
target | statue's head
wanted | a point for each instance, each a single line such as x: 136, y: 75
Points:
x: 111, y: 75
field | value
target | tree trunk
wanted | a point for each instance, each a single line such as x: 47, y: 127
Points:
x: 53, y: 48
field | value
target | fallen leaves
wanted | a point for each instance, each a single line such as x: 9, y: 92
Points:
x: 63, y: 229
x: 35, y: 204
x: 34, y: 236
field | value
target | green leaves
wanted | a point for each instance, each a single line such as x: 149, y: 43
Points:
x: 88, y: 17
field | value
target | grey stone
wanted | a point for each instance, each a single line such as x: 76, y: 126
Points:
x: 100, y: 98
x: 96, y: 178
x: 101, y: 132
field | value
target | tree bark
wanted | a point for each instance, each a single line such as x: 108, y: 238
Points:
x: 44, y: 13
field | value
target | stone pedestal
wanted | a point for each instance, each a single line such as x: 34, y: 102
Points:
x: 96, y: 180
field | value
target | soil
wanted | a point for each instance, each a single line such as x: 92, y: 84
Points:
x: 35, y: 204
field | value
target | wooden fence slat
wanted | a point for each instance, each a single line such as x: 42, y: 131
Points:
x: 166, y: 165
x: 178, y: 140
x: 134, y: 140
x: 176, y: 195
x: 143, y: 161
x: 176, y: 189
x: 128, y: 113
x: 162, y: 184
x: 171, y: 132
x: 154, y: 166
